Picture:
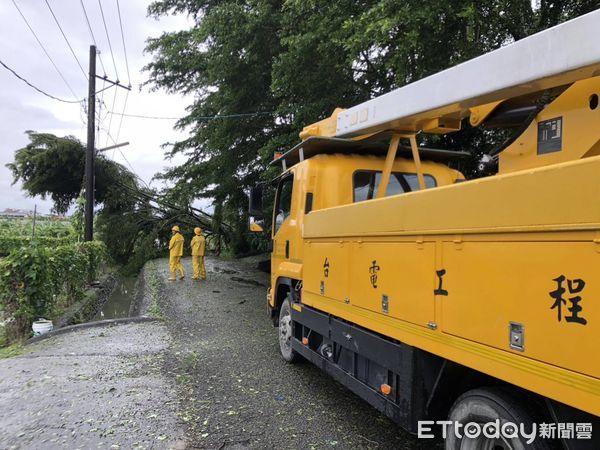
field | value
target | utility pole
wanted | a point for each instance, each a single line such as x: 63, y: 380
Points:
x: 89, y: 155
x: 34, y: 217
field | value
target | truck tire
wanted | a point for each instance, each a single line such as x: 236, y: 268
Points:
x: 285, y: 332
x: 486, y: 405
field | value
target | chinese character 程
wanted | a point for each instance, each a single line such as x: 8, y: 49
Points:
x: 574, y: 287
x: 373, y: 273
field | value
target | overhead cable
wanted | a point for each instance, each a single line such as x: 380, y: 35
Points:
x: 109, y: 43
x: 44, y: 49
x: 123, y: 40
x: 37, y: 88
x: 132, y: 169
x: 122, y: 115
x: 114, y: 102
x: 220, y: 116
x: 92, y: 35
x: 66, y: 40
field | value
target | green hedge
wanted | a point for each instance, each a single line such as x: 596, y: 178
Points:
x: 39, y: 281
x: 43, y: 227
x: 10, y: 243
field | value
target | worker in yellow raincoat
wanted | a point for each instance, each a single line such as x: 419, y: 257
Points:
x: 198, y: 245
x: 175, y: 254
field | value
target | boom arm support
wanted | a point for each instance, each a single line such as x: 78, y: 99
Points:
x: 560, y: 55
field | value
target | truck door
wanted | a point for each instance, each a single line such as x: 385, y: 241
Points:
x: 394, y: 277
x: 285, y: 224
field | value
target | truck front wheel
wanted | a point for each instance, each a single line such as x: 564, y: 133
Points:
x: 486, y: 417
x: 285, y: 332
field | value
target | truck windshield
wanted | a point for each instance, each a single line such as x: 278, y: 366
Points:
x: 366, y: 183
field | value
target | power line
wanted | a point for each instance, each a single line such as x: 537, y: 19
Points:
x: 223, y: 116
x: 127, y: 161
x: 102, y: 97
x: 108, y: 37
x: 131, y: 167
x: 102, y: 126
x: 66, y: 40
x: 44, y: 49
x: 100, y: 120
x: 37, y: 88
x: 111, y: 116
x: 92, y: 35
x: 123, y: 39
x: 98, y: 113
x: 122, y: 115
x: 108, y: 135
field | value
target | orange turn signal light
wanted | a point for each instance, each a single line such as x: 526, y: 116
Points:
x: 385, y: 389
x: 305, y: 340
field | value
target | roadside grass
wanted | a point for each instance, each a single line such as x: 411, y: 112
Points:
x: 154, y: 289
x: 15, y: 349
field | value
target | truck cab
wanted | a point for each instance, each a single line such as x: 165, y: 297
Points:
x: 336, y: 175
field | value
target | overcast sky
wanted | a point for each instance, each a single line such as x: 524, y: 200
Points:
x: 22, y: 108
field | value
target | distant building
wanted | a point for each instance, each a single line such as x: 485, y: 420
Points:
x: 10, y: 213
x: 58, y: 217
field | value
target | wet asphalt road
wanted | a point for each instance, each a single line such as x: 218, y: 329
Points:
x: 207, y: 376
x: 235, y: 390
x: 93, y: 388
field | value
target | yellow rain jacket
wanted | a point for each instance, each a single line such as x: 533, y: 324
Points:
x: 176, y: 245
x: 198, y: 244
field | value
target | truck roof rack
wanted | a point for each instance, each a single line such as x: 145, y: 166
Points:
x: 374, y: 145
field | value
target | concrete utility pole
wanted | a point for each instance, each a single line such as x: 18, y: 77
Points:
x: 89, y: 155
x: 34, y: 217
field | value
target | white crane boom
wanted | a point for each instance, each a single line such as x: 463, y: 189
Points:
x: 560, y: 55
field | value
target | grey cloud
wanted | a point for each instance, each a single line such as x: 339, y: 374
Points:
x: 22, y: 108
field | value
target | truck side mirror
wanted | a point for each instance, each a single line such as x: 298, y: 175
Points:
x: 256, y: 202
x: 256, y: 227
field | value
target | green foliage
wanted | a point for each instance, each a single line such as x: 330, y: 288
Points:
x: 10, y: 351
x: 301, y: 59
x: 37, y: 163
x: 145, y: 250
x: 9, y: 244
x: 43, y: 227
x: 154, y: 289
x: 77, y: 218
x: 54, y: 166
x: 17, y: 233
x: 231, y: 48
x: 38, y: 281
x: 258, y: 243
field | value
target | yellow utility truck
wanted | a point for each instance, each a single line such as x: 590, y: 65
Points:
x: 447, y: 302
